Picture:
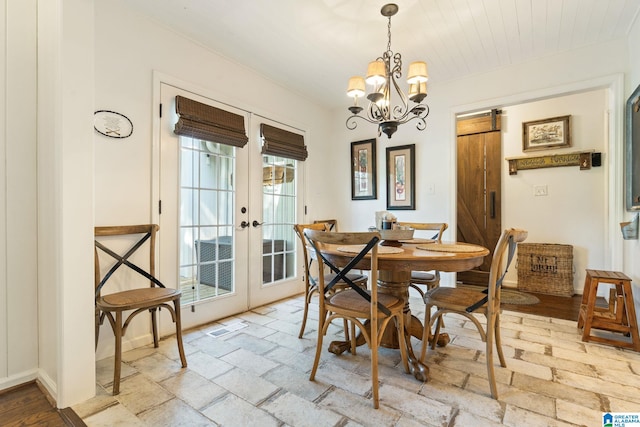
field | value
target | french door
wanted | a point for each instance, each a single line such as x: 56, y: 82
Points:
x: 224, y: 231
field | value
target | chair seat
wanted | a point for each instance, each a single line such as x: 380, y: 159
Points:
x: 356, y: 303
x: 453, y: 298
x: 136, y: 298
x: 422, y: 276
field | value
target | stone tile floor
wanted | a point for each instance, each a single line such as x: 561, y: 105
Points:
x: 258, y: 376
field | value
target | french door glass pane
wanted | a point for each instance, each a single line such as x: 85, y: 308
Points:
x: 207, y: 198
x: 279, y: 215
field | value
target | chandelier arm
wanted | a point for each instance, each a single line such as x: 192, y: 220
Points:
x: 374, y: 112
x: 351, y: 122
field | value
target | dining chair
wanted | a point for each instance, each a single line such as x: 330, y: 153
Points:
x: 139, y: 299
x: 468, y: 303
x: 369, y: 310
x: 311, y: 278
x: 428, y: 279
x: 332, y: 223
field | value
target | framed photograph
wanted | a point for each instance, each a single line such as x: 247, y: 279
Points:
x: 401, y: 177
x: 632, y: 151
x: 546, y: 134
x: 363, y: 170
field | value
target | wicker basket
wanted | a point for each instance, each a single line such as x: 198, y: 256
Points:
x: 545, y: 268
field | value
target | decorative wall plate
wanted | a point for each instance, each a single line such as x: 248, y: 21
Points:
x: 112, y: 124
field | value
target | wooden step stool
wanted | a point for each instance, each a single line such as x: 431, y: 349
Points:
x: 619, y: 316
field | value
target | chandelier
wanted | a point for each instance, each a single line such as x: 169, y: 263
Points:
x: 388, y: 105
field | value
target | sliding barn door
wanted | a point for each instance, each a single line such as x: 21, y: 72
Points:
x: 479, y: 151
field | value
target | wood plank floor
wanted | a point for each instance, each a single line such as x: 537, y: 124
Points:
x: 27, y: 405
x: 551, y: 306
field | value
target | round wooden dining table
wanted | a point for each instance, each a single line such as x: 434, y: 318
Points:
x: 396, y: 261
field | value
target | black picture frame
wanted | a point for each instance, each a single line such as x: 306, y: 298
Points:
x: 632, y: 152
x: 364, y: 173
x: 401, y: 177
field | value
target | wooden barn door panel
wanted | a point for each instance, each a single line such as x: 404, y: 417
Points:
x: 479, y: 149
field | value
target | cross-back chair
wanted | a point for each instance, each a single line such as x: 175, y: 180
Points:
x: 311, y: 279
x: 369, y: 310
x: 428, y: 279
x: 151, y: 298
x: 331, y: 223
x: 468, y: 303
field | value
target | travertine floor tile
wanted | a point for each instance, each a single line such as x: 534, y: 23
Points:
x: 233, y: 411
x: 259, y: 375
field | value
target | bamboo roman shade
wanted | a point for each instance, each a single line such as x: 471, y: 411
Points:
x: 203, y: 121
x: 282, y: 143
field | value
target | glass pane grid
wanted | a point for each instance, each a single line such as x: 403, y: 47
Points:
x: 279, y: 215
x: 206, y: 220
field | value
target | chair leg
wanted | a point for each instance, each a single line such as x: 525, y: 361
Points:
x: 503, y: 362
x: 436, y: 332
x: 183, y: 359
x: 307, y: 301
x: 322, y: 318
x: 154, y: 326
x: 491, y: 324
x: 345, y: 326
x: 97, y: 326
x: 426, y: 332
x: 117, y: 331
x: 402, y: 335
x: 374, y: 364
x: 353, y: 340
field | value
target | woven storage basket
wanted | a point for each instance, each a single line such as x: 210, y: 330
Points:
x: 545, y: 268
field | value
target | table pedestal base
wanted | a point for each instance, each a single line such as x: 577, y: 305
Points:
x: 396, y: 283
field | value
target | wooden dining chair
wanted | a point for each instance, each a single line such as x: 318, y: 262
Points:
x: 311, y: 279
x: 332, y: 223
x: 369, y: 310
x: 149, y: 298
x: 468, y: 303
x: 426, y: 279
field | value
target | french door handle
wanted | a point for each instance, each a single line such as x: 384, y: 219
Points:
x: 255, y: 223
x: 244, y: 224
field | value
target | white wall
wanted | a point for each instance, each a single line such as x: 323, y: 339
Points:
x: 584, y: 69
x: 65, y: 199
x: 124, y: 83
x: 573, y: 212
x: 18, y: 230
x: 46, y: 198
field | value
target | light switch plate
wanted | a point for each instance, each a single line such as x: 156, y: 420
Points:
x: 540, y: 190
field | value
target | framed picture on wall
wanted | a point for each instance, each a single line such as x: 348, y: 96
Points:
x: 401, y: 177
x: 546, y: 134
x: 363, y: 170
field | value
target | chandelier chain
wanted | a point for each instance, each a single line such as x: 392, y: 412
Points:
x: 389, y: 35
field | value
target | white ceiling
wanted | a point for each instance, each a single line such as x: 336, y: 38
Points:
x: 314, y: 46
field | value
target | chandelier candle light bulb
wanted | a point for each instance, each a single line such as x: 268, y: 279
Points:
x: 381, y: 75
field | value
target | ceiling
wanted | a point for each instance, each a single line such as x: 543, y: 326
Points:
x: 313, y: 46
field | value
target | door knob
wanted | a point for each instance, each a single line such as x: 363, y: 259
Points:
x: 244, y: 224
x: 256, y: 223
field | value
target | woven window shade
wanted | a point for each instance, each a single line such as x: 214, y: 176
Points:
x: 203, y: 121
x: 282, y: 143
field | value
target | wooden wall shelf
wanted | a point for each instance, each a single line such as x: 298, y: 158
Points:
x: 578, y: 158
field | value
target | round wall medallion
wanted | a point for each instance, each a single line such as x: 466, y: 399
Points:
x: 112, y: 124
